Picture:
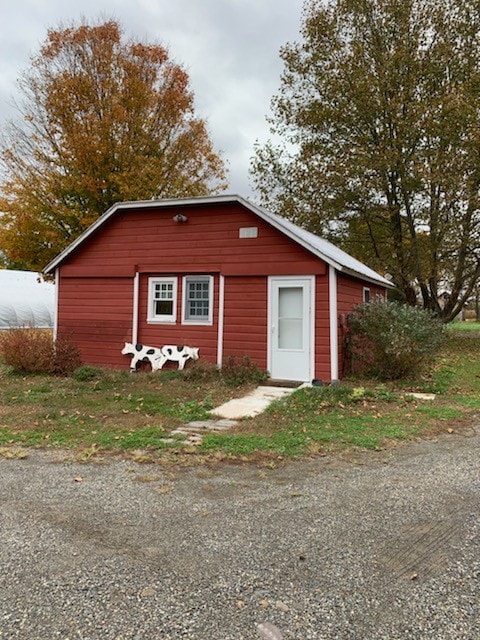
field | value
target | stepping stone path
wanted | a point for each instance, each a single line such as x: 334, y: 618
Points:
x: 195, y: 430
x: 252, y: 404
x: 229, y: 414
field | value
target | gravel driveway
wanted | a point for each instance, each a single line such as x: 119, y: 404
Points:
x: 386, y: 546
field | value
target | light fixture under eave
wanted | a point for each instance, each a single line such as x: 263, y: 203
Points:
x: 180, y: 218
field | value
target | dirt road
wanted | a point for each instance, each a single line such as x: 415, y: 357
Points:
x: 385, y: 547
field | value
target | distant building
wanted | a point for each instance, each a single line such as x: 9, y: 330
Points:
x: 25, y: 300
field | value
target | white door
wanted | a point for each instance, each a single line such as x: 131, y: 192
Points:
x: 290, y: 330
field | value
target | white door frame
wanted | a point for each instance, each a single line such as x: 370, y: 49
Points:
x: 311, y: 280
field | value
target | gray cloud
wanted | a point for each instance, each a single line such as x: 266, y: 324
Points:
x: 230, y: 49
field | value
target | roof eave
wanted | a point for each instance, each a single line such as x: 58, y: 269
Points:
x: 382, y: 282
x: 134, y: 204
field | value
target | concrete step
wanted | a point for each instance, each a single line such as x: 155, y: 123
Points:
x: 251, y: 404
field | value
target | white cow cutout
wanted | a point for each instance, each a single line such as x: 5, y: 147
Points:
x: 159, y: 356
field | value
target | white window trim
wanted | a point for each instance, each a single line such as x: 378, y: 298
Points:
x: 365, y: 289
x: 161, y: 319
x: 206, y: 321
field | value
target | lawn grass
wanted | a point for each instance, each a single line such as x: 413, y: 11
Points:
x: 111, y: 410
x: 362, y: 414
x: 464, y: 327
x: 119, y: 412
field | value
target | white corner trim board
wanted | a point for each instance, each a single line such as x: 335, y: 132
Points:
x: 136, y: 285
x: 221, y: 311
x: 333, y: 306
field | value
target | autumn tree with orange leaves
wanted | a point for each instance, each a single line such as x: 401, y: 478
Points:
x: 102, y: 120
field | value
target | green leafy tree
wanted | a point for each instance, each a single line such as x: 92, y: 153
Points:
x: 102, y: 120
x: 378, y: 122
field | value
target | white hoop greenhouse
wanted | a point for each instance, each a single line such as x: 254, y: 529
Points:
x: 25, y: 300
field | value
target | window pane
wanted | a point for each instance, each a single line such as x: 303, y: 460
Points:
x: 163, y: 307
x: 197, y: 299
x: 164, y: 291
x: 198, y: 308
x: 290, y: 318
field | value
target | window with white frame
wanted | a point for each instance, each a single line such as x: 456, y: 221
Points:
x: 366, y: 294
x: 162, y: 299
x: 197, y: 299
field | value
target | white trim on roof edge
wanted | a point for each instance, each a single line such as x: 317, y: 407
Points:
x: 323, y: 249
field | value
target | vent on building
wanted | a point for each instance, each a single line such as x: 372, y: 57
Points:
x: 248, y: 232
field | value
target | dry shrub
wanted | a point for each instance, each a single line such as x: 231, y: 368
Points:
x: 30, y: 350
x: 238, y: 371
x: 201, y: 371
x: 66, y: 357
x: 235, y: 372
x: 27, y: 350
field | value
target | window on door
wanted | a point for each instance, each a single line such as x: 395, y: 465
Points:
x: 290, y: 318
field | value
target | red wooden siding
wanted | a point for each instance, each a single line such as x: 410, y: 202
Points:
x: 245, y: 318
x: 158, y: 334
x: 149, y: 242
x: 209, y: 240
x: 349, y: 295
x: 322, y: 329
x: 97, y: 314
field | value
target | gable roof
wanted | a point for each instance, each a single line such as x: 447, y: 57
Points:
x: 319, y: 247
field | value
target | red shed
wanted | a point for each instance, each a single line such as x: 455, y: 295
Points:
x: 218, y: 273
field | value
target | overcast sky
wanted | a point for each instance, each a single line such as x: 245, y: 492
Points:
x: 230, y: 49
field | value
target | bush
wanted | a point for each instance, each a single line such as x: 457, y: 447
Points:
x: 392, y: 340
x: 27, y: 350
x: 66, y: 357
x: 236, y: 372
x: 201, y: 371
x: 33, y: 351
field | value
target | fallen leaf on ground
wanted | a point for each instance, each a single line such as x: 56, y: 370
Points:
x: 165, y: 488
